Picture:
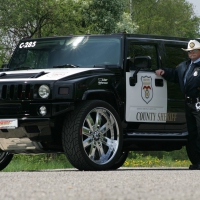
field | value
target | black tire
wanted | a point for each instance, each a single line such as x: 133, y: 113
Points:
x: 5, y: 159
x: 92, y: 136
x: 120, y: 160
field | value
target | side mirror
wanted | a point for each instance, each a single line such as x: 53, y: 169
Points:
x: 140, y: 62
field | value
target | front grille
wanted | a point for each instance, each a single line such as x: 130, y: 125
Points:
x: 15, y: 92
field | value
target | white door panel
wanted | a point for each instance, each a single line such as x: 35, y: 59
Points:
x: 146, y: 102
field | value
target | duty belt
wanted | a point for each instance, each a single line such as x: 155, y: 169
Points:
x: 191, y: 100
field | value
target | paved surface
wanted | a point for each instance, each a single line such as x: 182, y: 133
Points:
x: 122, y: 184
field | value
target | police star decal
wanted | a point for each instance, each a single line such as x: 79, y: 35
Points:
x: 146, y: 89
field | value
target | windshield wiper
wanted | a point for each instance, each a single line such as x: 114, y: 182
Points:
x: 106, y: 66
x: 66, y: 66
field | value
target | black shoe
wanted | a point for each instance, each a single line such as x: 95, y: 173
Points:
x: 195, y: 167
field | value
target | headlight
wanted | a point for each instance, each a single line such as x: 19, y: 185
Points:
x: 43, y: 110
x: 44, y: 91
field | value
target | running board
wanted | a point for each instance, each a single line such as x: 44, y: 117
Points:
x: 152, y: 141
x: 158, y: 134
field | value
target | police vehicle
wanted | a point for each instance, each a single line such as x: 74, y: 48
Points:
x: 92, y: 97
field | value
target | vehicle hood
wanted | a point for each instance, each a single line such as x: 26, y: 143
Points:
x: 42, y: 74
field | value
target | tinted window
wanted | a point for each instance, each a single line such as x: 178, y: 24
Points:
x: 143, y: 50
x: 174, y: 56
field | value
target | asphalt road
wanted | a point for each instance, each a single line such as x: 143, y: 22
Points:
x: 122, y: 184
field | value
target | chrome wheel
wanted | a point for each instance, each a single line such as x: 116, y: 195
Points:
x: 92, y: 136
x: 100, y: 134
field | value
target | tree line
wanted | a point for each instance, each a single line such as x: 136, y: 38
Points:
x: 39, y: 18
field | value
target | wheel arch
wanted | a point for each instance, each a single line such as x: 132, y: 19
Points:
x: 103, y: 95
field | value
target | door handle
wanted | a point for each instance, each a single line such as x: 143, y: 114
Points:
x: 159, y: 82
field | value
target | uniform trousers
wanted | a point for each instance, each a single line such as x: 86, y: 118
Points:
x: 193, y: 125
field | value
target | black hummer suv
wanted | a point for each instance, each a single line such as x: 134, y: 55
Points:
x: 92, y: 97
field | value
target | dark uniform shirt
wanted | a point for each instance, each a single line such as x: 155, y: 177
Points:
x: 192, y: 86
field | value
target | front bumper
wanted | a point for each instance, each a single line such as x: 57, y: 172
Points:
x: 35, y: 133
x: 27, y: 137
x: 34, y: 128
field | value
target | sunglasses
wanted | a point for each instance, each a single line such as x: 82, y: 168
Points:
x: 193, y: 51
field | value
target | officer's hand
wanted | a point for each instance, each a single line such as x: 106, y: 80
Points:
x: 159, y: 72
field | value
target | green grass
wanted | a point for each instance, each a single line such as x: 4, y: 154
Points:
x: 158, y: 159
x: 150, y: 161
x: 37, y: 162
x: 135, y: 159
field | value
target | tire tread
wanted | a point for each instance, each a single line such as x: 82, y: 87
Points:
x: 71, y: 140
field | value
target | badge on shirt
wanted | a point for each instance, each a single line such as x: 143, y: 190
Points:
x: 195, y: 73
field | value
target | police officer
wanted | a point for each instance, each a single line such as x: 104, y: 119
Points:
x: 187, y: 74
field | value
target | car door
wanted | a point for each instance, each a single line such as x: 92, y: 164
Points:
x: 147, y: 100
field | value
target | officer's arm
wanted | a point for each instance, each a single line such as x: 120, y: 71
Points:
x: 171, y: 75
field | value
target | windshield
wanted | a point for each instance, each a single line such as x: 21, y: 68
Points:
x: 85, y: 51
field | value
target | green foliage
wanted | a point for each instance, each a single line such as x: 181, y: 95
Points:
x: 101, y: 16
x: 161, y: 17
x: 2, y: 55
x: 126, y: 24
x: 38, y: 18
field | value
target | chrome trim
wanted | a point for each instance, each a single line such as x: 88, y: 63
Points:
x: 157, y: 134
